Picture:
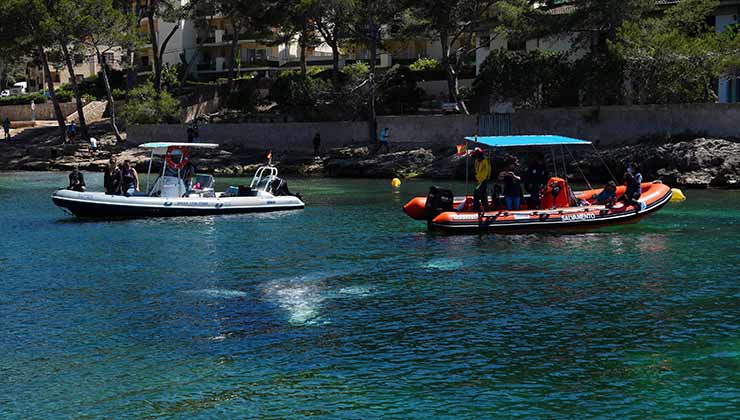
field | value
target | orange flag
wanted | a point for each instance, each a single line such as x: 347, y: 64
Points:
x: 269, y: 156
x: 462, y: 149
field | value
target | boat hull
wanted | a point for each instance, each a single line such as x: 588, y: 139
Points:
x: 654, y: 197
x: 103, y: 206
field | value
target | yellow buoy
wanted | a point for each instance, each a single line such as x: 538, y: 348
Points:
x: 677, y: 195
x: 395, y: 183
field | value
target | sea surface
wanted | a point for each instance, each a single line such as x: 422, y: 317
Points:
x: 350, y: 310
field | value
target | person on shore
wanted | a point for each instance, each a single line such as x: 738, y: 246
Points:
x: 482, y: 174
x: 94, y: 145
x: 76, y: 180
x: 607, y: 196
x: 192, y: 132
x: 512, y: 187
x: 317, y: 146
x: 6, y: 128
x: 112, y: 178
x: 535, y: 180
x: 129, y: 179
x: 71, y: 132
x: 383, y: 140
x: 633, y: 180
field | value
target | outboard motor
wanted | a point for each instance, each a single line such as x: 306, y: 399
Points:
x: 279, y: 187
x: 439, y: 200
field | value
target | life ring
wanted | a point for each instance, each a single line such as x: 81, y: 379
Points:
x: 184, y: 157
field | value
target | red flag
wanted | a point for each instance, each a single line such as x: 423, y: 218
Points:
x: 462, y: 149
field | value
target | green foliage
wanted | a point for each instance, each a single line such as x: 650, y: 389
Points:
x: 529, y: 79
x: 143, y: 106
x: 63, y: 95
x: 359, y: 70
x: 244, y: 98
x: 26, y: 99
x: 118, y: 94
x: 425, y: 64
x: 398, y: 93
x: 674, y: 58
x: 299, y: 95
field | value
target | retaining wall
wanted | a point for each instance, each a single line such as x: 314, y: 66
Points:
x: 606, y: 125
x: 44, y: 111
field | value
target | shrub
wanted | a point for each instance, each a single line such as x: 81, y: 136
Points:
x: 425, y: 64
x: 143, y: 107
x: 26, y: 99
x: 397, y: 91
x: 118, y: 94
x: 63, y: 95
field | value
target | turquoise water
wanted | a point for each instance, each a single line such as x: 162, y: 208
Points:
x: 348, y: 309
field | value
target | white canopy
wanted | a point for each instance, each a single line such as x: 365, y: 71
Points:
x: 161, y: 147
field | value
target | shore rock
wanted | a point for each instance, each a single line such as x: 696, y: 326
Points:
x: 698, y: 163
x: 404, y: 164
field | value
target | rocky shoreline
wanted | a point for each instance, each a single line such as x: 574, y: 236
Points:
x: 696, y: 163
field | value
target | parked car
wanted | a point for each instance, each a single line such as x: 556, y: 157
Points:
x: 19, y: 88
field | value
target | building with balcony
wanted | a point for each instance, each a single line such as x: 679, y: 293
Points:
x: 86, y: 64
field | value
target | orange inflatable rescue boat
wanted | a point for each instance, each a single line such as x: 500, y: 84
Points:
x: 560, y: 207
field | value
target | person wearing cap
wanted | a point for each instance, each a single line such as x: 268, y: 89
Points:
x: 482, y: 173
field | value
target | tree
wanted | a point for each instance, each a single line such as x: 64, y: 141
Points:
x: 675, y: 57
x: 454, y: 23
x: 165, y: 11
x: 29, y: 35
x: 331, y: 19
x: 297, y: 23
x: 366, y: 27
x: 102, y: 27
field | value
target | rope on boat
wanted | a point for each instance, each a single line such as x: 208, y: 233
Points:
x: 579, y: 169
x: 604, y: 163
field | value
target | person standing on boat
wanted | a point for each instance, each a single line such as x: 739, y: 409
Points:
x: 76, y: 180
x: 535, y: 180
x: 482, y: 174
x: 512, y: 187
x: 129, y: 178
x: 633, y: 179
x: 112, y: 178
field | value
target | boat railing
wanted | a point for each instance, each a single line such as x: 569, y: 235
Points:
x: 263, y: 178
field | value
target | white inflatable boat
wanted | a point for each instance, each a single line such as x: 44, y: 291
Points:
x: 171, y: 196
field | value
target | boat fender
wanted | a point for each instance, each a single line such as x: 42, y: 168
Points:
x: 185, y: 157
x: 678, y: 195
x: 395, y: 183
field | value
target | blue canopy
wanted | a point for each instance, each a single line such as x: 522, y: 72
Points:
x: 513, y: 141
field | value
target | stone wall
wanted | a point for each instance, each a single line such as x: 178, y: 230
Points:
x: 620, y: 124
x: 44, y: 111
x: 606, y: 125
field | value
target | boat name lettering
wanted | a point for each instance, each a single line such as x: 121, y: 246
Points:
x: 465, y: 217
x: 578, y: 216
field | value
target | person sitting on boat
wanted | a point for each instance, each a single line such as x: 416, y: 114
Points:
x: 129, y: 178
x: 112, y: 178
x: 535, y: 180
x: 633, y: 180
x: 512, y: 187
x: 76, y: 180
x: 607, y: 196
x: 482, y: 173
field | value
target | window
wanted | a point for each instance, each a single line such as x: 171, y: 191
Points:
x: 108, y: 58
x: 79, y: 59
x: 55, y: 77
x: 145, y: 61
